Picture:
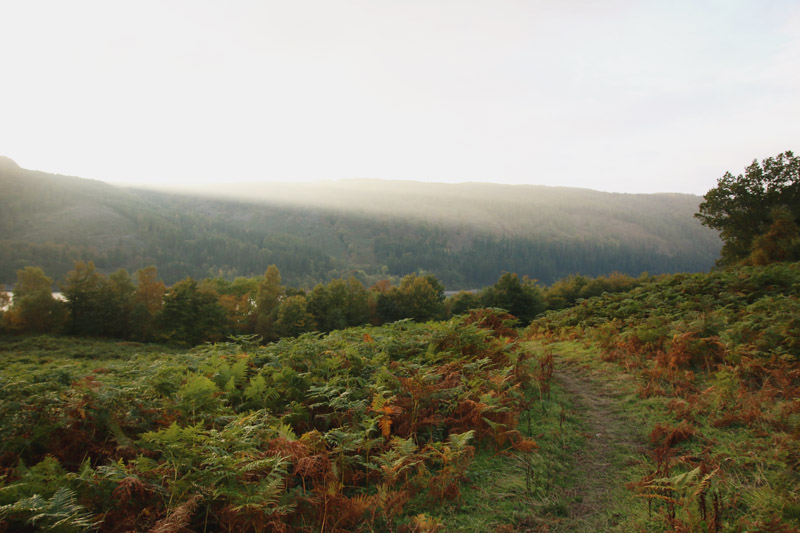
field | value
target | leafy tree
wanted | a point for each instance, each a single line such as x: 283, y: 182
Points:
x: 418, y: 297
x: 337, y: 304
x: 377, y: 301
x: 317, y: 305
x: 780, y: 243
x: 239, y: 310
x: 340, y: 304
x: 357, y: 311
x: 740, y: 207
x: 464, y: 301
x: 191, y: 316
x: 89, y: 310
x: 268, y: 297
x: 99, y: 306
x: 435, y: 284
x: 524, y: 300
x: 150, y: 290
x: 241, y: 287
x: 387, y: 308
x: 148, y: 300
x: 335, y: 314
x: 293, y: 317
x: 34, y: 308
x: 566, y: 291
x: 235, y: 300
x: 119, y: 292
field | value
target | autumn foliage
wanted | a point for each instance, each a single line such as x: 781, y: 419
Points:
x: 322, y: 433
x: 722, y: 352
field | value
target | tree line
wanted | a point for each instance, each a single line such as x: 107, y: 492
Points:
x: 141, y: 307
x: 757, y: 214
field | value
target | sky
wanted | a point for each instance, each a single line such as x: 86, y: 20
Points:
x: 613, y: 95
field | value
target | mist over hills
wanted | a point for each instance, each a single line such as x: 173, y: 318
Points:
x: 517, y: 210
x: 467, y: 234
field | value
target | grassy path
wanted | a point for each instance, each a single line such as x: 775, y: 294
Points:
x: 591, y: 435
x: 611, y: 454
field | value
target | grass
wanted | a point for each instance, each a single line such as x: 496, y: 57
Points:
x: 496, y: 493
x: 52, y: 347
x: 566, y: 492
x: 613, y: 424
x: 79, y: 402
x: 579, y: 481
x: 751, y: 468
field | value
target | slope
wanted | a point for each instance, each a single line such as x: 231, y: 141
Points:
x: 466, y: 234
x: 710, y: 364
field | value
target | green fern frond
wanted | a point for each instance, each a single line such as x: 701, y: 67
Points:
x: 61, y: 511
x: 459, y: 441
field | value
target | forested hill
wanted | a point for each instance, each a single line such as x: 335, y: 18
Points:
x: 466, y: 234
x: 495, y: 209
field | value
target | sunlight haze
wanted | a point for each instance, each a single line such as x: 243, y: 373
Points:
x: 624, y: 96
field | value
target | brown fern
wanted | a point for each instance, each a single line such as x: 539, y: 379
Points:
x: 179, y: 519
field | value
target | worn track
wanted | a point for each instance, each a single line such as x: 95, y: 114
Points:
x: 613, y: 442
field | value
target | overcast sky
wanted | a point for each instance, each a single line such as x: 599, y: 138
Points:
x: 647, y: 96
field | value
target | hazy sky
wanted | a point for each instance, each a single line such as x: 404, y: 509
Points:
x: 628, y: 96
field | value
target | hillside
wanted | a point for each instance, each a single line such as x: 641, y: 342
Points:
x: 466, y: 234
x: 710, y: 363
x: 668, y: 407
x: 360, y: 430
x: 494, y: 209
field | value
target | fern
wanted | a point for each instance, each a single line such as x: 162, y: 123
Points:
x: 60, y: 512
x: 214, y: 432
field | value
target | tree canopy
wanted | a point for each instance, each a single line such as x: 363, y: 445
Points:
x: 141, y: 307
x: 523, y: 299
x: 191, y: 314
x: 744, y: 207
x: 34, y: 308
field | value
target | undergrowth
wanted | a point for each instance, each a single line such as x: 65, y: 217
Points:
x: 720, y: 355
x: 514, y: 490
x: 364, y: 429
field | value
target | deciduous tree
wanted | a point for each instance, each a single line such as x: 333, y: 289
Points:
x: 34, y: 308
x: 268, y: 297
x: 149, y: 289
x: 119, y: 293
x: 523, y: 299
x: 357, y: 312
x: 780, y: 243
x: 464, y: 301
x: 190, y: 315
x: 148, y: 300
x: 293, y: 317
x: 418, y: 297
x: 89, y: 309
x: 740, y: 207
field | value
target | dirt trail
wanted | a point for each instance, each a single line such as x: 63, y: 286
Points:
x: 613, y: 442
